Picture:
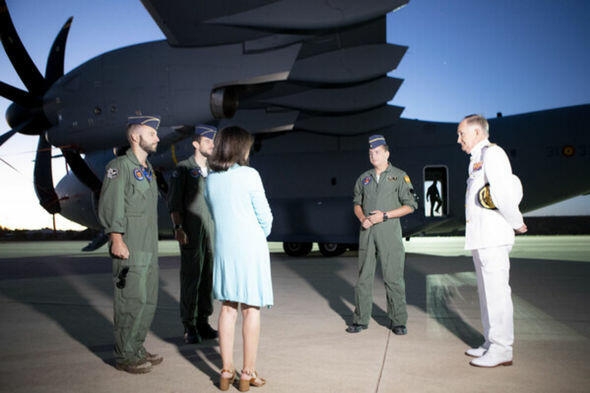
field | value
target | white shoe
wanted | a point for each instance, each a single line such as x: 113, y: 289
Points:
x: 493, y: 359
x: 476, y: 352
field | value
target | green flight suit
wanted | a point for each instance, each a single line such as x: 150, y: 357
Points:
x: 382, y: 241
x: 196, y: 264
x: 128, y: 205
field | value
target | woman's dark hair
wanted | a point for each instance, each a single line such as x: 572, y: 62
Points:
x: 232, y: 145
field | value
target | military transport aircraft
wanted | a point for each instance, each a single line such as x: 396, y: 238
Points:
x: 308, y: 78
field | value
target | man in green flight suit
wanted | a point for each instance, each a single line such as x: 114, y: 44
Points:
x: 193, y: 229
x: 127, y: 210
x: 381, y: 196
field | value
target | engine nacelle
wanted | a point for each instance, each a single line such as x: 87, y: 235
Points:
x: 224, y: 102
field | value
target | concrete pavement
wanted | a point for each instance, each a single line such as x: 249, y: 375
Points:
x: 56, y: 325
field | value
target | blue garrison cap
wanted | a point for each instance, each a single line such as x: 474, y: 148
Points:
x: 376, y: 140
x: 150, y: 121
x: 206, y: 130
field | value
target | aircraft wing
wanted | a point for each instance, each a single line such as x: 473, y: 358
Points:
x: 336, y: 83
x: 198, y: 23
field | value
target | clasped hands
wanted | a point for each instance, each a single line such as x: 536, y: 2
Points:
x: 375, y: 217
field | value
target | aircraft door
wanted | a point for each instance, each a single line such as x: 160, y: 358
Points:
x: 436, y: 191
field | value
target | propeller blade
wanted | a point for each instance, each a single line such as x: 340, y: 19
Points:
x: 82, y: 170
x: 55, y: 61
x: 20, y: 128
x: 6, y: 136
x: 43, y: 178
x: 17, y: 95
x: 18, y: 55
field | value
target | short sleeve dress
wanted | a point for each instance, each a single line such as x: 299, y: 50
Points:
x: 242, y: 220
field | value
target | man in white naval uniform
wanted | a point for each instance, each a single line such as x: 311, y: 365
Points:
x: 489, y: 234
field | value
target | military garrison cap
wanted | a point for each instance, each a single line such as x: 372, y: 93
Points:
x: 376, y: 140
x: 150, y: 121
x: 206, y: 130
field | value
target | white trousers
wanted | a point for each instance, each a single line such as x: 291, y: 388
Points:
x: 492, y: 267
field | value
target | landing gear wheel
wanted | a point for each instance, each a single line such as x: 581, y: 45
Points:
x: 297, y: 249
x: 331, y: 249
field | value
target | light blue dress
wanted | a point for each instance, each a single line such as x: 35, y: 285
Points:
x: 242, y: 218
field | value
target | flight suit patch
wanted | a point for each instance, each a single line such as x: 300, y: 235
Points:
x: 366, y: 180
x: 141, y: 173
x: 175, y: 174
x: 391, y: 178
x: 112, y: 173
x: 407, y: 179
x: 138, y: 174
x: 477, y: 166
x: 195, y: 172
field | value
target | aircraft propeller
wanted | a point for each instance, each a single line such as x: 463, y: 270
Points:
x: 25, y: 115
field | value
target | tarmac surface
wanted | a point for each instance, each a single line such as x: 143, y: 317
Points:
x: 56, y: 324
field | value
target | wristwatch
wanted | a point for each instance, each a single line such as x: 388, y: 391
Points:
x: 177, y: 227
x: 385, y: 218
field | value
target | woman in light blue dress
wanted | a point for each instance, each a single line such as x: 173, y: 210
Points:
x: 241, y: 267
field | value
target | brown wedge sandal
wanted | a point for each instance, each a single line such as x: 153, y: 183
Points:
x: 254, y: 380
x: 224, y: 383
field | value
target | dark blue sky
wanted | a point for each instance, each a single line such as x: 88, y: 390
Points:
x: 490, y: 56
x: 464, y: 56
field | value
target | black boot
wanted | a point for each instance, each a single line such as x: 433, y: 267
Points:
x: 206, y: 331
x: 191, y: 336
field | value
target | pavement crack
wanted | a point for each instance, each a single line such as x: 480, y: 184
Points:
x: 386, y: 349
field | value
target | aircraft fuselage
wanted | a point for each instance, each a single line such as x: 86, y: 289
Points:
x: 309, y: 178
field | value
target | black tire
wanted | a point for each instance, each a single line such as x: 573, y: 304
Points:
x: 331, y: 249
x: 297, y: 249
x: 353, y: 246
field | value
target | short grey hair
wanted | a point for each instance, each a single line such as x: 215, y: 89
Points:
x: 480, y: 120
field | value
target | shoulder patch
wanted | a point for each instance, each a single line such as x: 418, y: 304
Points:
x: 366, y: 180
x: 407, y: 179
x: 112, y: 173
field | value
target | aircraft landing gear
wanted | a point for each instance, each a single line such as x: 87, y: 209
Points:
x: 297, y: 249
x: 331, y: 249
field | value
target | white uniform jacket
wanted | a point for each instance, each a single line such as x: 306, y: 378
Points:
x: 484, y: 227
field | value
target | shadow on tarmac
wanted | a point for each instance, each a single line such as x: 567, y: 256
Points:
x: 568, y: 280
x: 80, y: 317
x: 95, y: 332
x: 304, y: 333
x: 327, y: 279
